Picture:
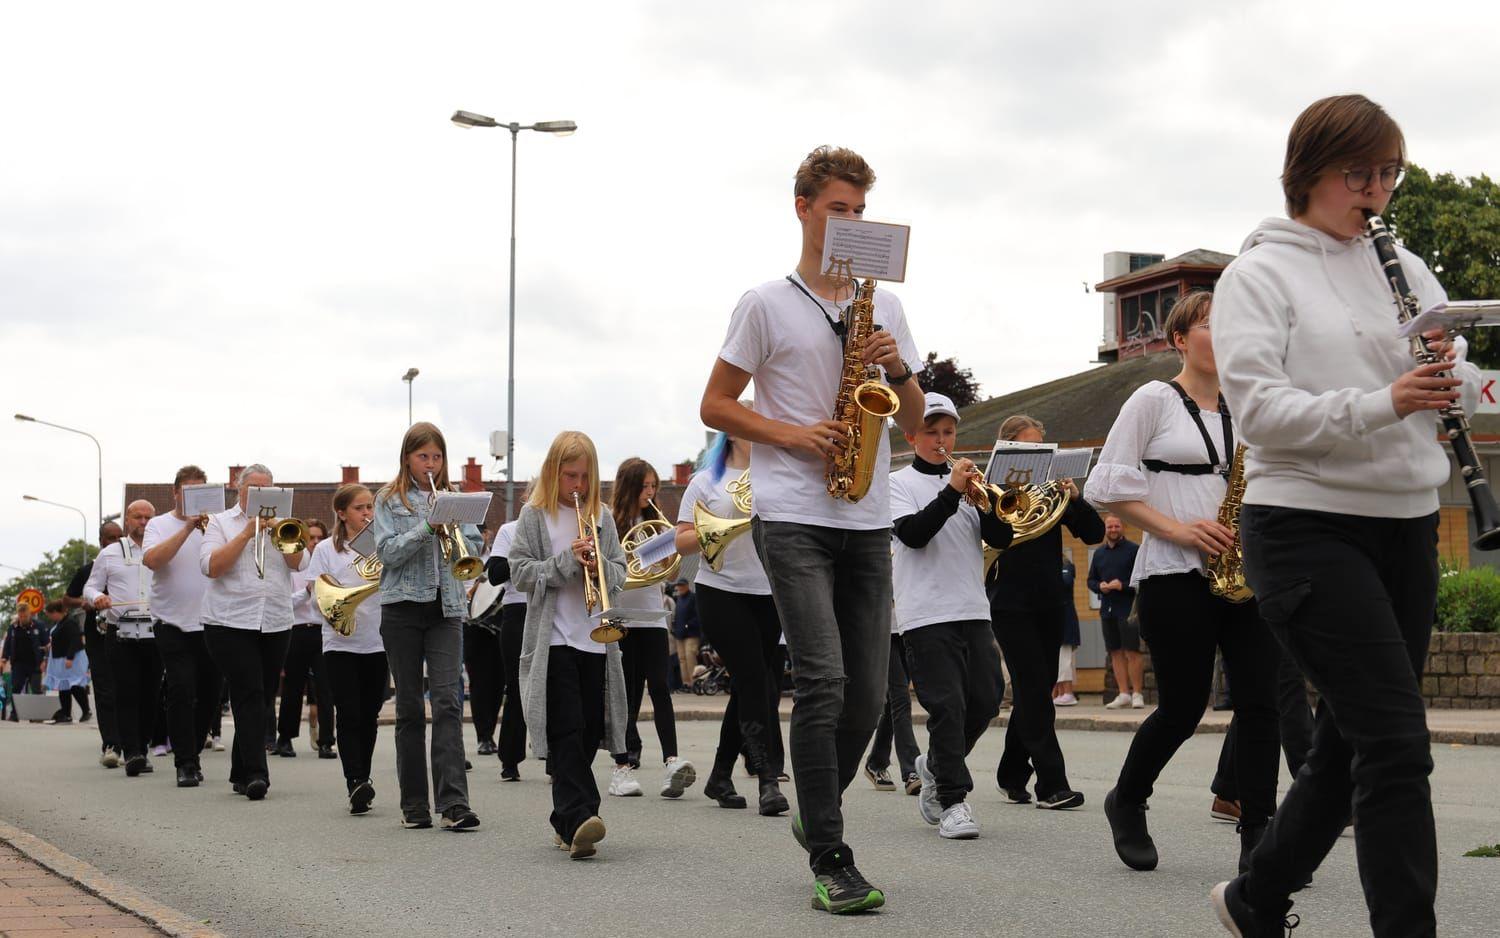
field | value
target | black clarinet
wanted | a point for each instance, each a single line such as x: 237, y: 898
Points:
x: 1455, y: 421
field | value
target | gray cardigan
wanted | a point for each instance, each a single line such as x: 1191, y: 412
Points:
x: 537, y: 571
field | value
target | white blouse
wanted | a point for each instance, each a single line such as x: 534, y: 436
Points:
x: 1154, y: 424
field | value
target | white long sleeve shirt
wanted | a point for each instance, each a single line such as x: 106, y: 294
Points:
x: 239, y: 598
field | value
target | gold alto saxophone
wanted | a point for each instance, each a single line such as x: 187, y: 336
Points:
x: 1226, y: 572
x: 863, y: 405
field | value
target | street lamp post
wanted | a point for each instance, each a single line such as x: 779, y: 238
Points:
x: 97, y: 447
x: 466, y: 120
x: 409, y: 377
x: 33, y: 498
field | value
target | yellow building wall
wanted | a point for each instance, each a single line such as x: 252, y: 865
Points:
x: 1453, y: 536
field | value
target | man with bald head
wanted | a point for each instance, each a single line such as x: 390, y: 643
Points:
x: 120, y: 588
x: 100, y: 648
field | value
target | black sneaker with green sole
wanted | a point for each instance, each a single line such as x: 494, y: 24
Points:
x: 843, y: 890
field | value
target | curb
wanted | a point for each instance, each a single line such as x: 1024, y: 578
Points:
x: 91, y: 880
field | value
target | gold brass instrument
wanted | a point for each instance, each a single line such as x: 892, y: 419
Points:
x: 1031, y: 511
x: 739, y: 490
x: 983, y: 495
x: 715, y: 533
x: 289, y: 535
x: 595, y: 584
x: 863, y: 404
x: 337, y: 602
x: 1226, y: 572
x: 637, y: 574
x: 453, y: 545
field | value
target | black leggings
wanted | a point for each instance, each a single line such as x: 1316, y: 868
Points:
x: 1183, y: 622
x: 512, y: 720
x: 357, y: 682
x: 643, y: 655
x: 744, y: 630
x: 486, y: 678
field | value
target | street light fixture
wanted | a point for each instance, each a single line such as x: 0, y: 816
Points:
x: 409, y: 377
x: 33, y: 498
x: 467, y: 120
x: 100, y: 450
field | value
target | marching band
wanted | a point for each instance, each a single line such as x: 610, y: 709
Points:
x: 1297, y: 403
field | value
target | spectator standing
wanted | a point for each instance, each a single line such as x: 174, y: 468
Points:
x: 1109, y: 579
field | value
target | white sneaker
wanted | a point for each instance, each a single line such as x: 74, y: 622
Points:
x: 679, y: 778
x: 622, y: 783
x: 1065, y: 700
x: 1121, y: 701
x: 159, y: 751
x: 1137, y: 701
x: 218, y: 744
x: 927, y: 799
x: 958, y: 823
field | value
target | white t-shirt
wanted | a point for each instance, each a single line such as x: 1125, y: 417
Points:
x: 742, y: 572
x: 177, y: 588
x: 782, y: 338
x: 1154, y: 424
x: 339, y: 565
x: 570, y: 624
x: 944, y: 581
x: 501, y: 548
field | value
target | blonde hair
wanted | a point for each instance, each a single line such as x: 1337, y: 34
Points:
x: 1015, y: 425
x: 418, y: 435
x: 567, y: 446
x: 342, y: 499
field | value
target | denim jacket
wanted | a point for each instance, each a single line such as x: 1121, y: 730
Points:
x: 406, y: 548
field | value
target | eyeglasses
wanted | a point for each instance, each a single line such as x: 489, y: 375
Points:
x: 1355, y: 180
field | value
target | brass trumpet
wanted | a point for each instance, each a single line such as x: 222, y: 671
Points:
x: 981, y: 494
x: 454, y: 547
x: 637, y: 574
x: 289, y: 535
x: 595, y: 584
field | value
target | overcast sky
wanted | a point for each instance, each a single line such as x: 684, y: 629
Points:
x: 227, y: 230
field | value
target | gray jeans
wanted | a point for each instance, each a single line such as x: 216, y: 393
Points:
x: 414, y: 633
x: 833, y: 596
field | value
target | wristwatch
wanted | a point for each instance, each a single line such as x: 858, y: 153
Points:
x: 898, y: 380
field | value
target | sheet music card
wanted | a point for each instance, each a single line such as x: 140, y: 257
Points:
x: 1071, y: 464
x: 873, y: 248
x: 461, y: 507
x: 364, y: 543
x: 1453, y: 316
x: 202, y: 500
x: 269, y: 501
x: 629, y: 615
x: 1013, y: 463
x: 657, y: 548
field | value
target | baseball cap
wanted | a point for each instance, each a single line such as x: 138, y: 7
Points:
x: 939, y: 404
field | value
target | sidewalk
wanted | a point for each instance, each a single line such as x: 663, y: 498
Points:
x: 1461, y: 727
x: 37, y: 903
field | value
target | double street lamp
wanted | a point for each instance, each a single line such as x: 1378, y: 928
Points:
x: 57, y: 426
x: 466, y: 120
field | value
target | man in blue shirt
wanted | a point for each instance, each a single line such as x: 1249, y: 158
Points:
x: 1109, y: 578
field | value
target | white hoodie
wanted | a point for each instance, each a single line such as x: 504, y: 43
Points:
x: 1304, y: 333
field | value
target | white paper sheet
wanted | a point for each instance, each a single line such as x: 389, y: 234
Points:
x: 1014, y: 463
x: 1455, y: 315
x: 364, y: 543
x: 1071, y: 464
x: 629, y: 615
x: 202, y: 500
x: 874, y: 249
x: 462, y: 507
x: 658, y: 548
x: 269, y: 501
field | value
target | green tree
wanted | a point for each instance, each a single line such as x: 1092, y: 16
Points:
x: 1454, y: 226
x: 51, y: 576
x: 945, y: 377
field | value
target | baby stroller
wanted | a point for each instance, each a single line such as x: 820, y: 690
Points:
x: 710, y: 677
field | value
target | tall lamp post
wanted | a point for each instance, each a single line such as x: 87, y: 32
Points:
x: 466, y: 120
x: 409, y: 377
x: 100, y: 449
x: 33, y: 498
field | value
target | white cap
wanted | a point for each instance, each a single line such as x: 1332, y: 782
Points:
x: 939, y: 404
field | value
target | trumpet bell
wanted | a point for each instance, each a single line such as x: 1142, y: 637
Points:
x: 338, y: 603
x: 607, y: 632
x: 467, y: 568
x: 289, y: 536
x: 715, y: 534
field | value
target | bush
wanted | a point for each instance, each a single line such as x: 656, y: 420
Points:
x: 1469, y: 600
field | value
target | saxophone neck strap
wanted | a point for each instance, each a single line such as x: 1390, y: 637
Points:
x: 1194, y: 411
x: 840, y: 330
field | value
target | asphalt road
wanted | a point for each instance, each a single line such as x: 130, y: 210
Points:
x: 298, y: 864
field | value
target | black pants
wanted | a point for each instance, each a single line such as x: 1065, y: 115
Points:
x: 512, y: 743
x: 1353, y: 599
x: 160, y: 727
x: 486, y: 678
x: 137, y: 682
x: 1030, y: 640
x: 575, y: 723
x: 101, y: 654
x: 251, y: 661
x: 1294, y: 717
x: 1183, y: 622
x: 65, y: 700
x: 895, y: 718
x: 304, y: 655
x: 192, y: 690
x: 357, y: 683
x: 643, y: 655
x: 953, y: 666
x: 745, y: 631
